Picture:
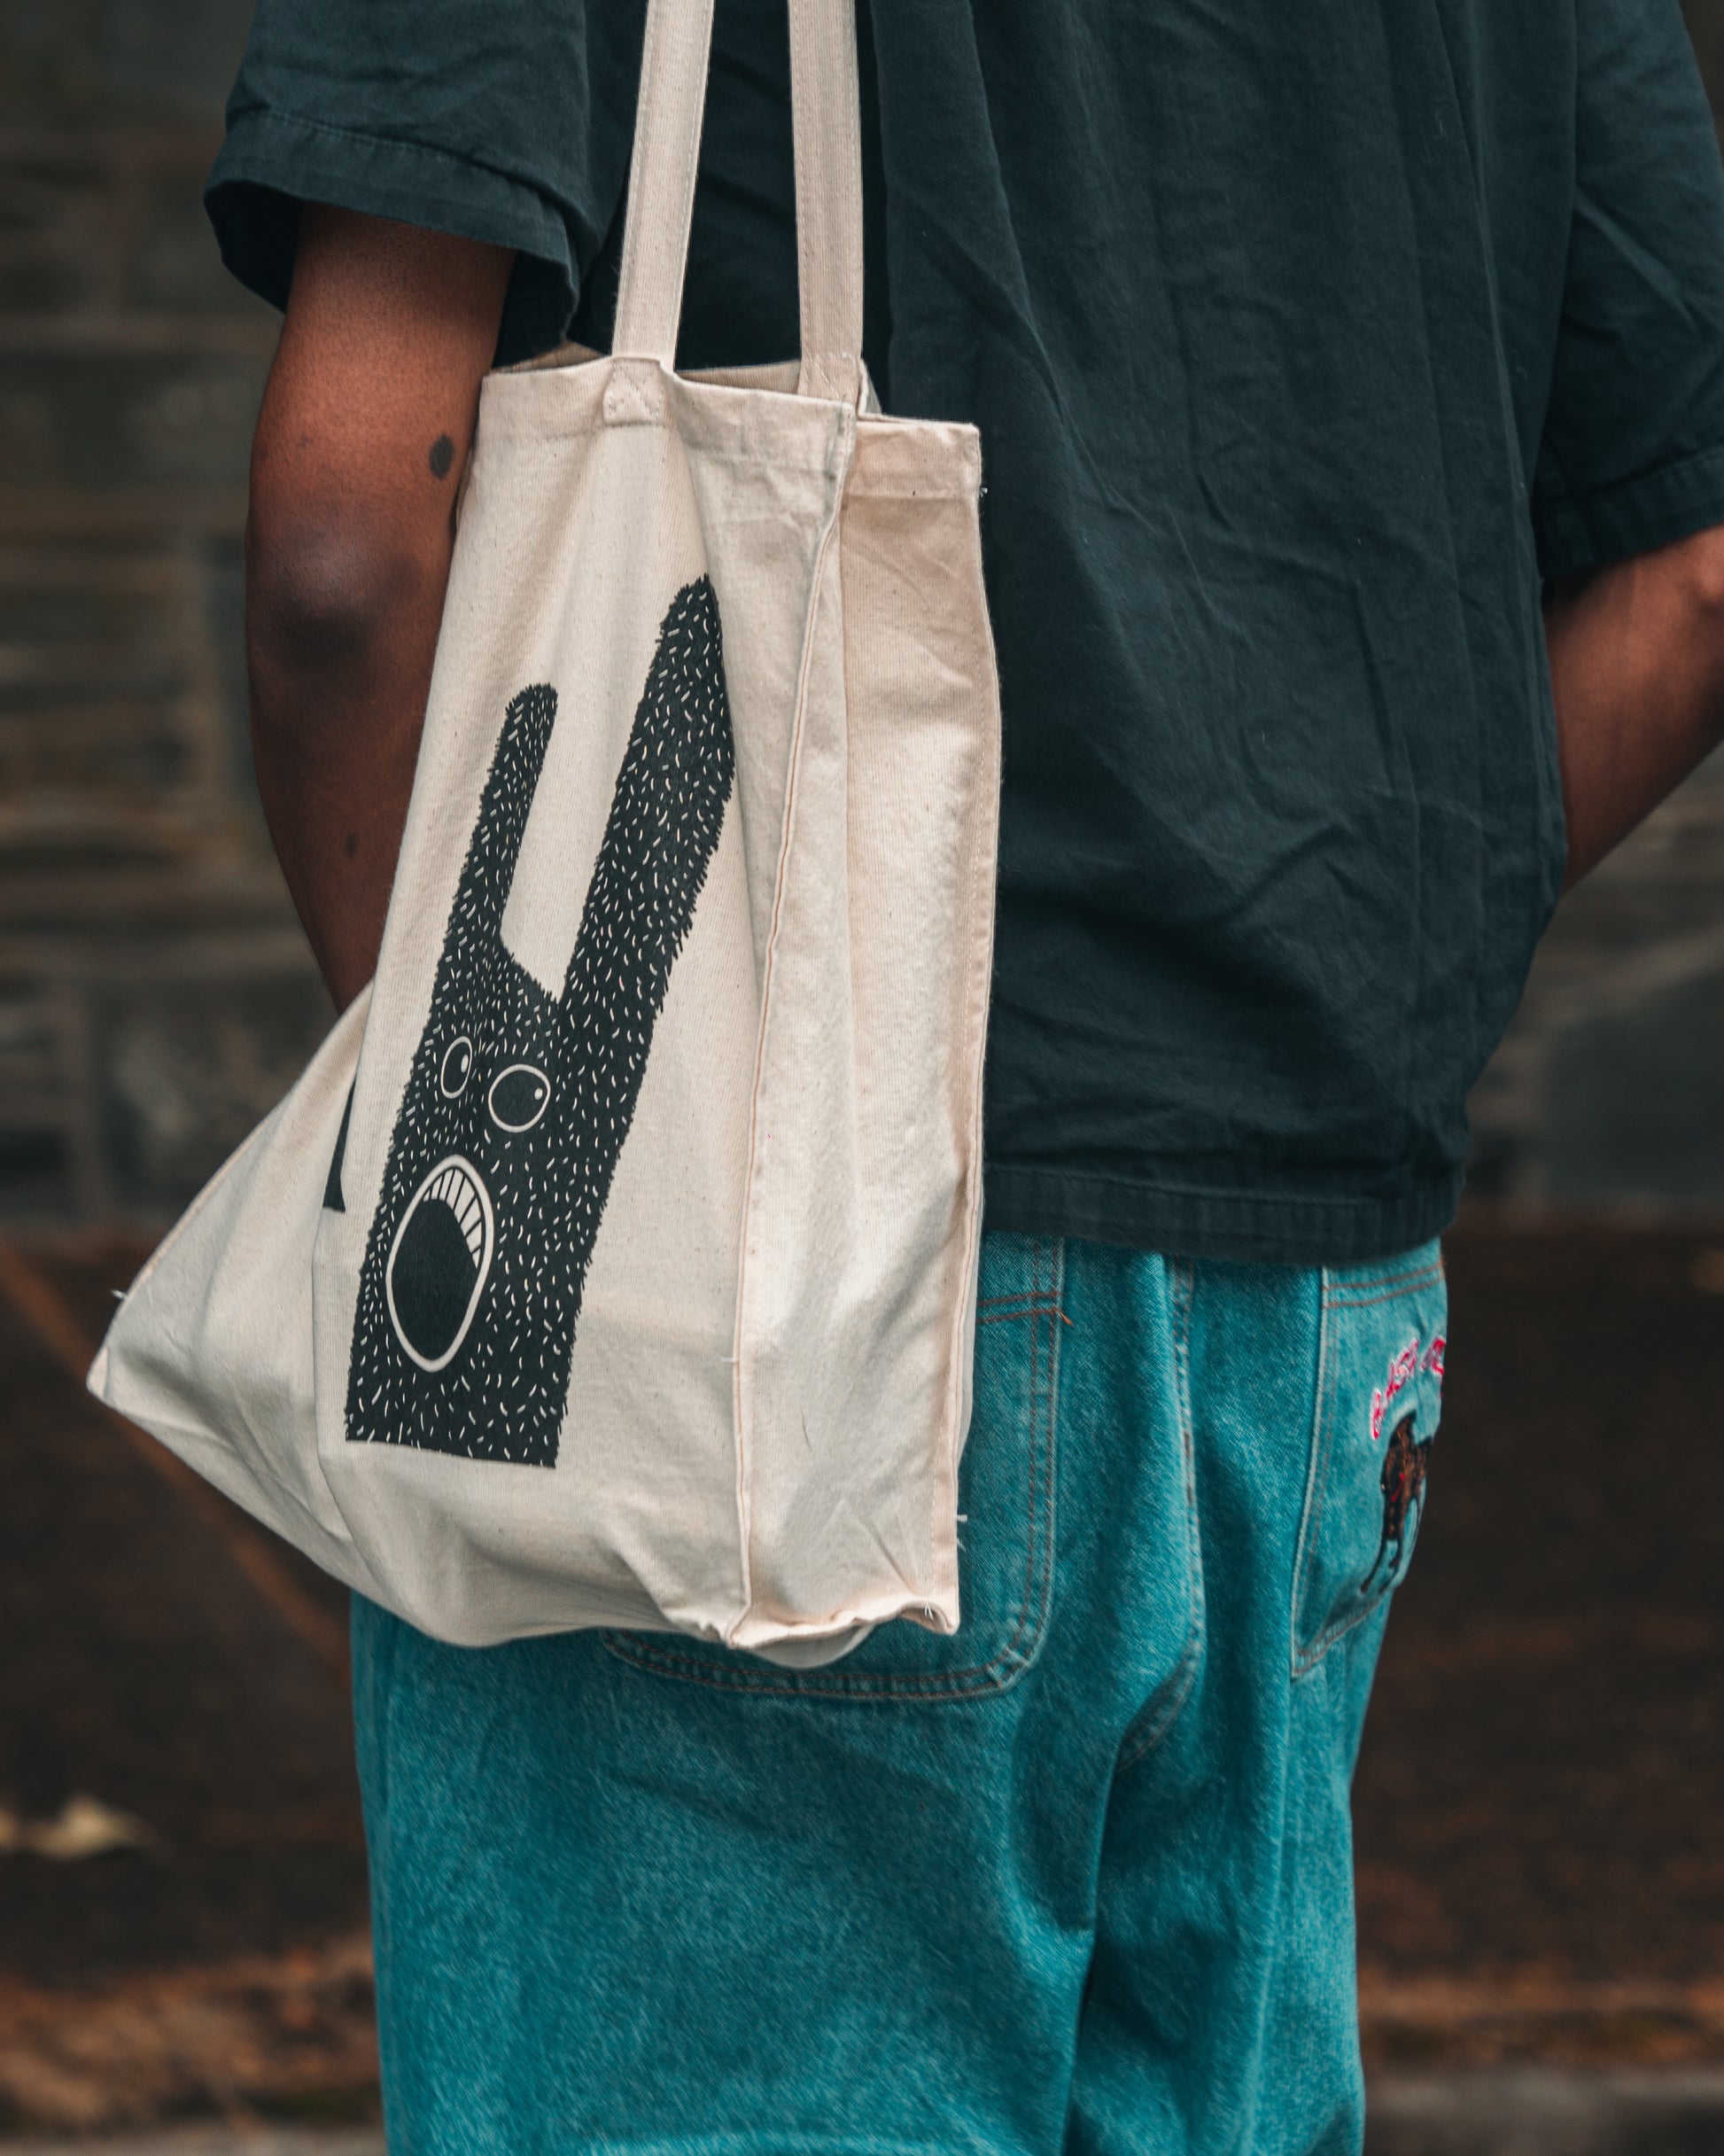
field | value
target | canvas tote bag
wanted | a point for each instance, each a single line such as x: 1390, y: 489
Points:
x: 614, y: 1261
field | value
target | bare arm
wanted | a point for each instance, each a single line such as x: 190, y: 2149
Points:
x: 359, y: 447
x: 1637, y: 669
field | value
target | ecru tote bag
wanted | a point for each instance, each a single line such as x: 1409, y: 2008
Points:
x: 614, y: 1261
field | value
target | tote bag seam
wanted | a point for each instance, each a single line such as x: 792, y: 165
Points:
x: 531, y: 426
x: 983, y: 855
x: 1018, y: 1653
x: 744, y: 1461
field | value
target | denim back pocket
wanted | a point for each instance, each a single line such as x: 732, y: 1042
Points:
x: 1378, y: 1402
x: 1005, y: 1532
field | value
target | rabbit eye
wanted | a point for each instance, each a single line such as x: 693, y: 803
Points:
x: 457, y: 1067
x: 519, y: 1097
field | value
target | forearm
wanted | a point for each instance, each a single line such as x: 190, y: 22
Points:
x: 364, y: 430
x: 334, y: 733
x: 1637, y: 673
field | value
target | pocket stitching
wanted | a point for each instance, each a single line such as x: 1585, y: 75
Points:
x: 1342, y: 1626
x: 1008, y: 1313
x: 1337, y: 1297
x: 1322, y: 1435
x: 982, y: 1680
x: 1381, y: 1302
x: 1305, y: 1658
x: 1153, y: 1721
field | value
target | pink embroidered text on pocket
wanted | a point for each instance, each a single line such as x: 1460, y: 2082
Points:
x: 1413, y: 1360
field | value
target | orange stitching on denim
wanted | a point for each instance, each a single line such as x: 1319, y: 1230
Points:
x: 1342, y: 1297
x: 1380, y: 1303
x: 1012, y: 1314
x: 1403, y: 1283
x: 1433, y: 1264
x: 980, y: 1681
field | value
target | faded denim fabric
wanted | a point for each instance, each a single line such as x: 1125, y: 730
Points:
x: 1078, y: 1879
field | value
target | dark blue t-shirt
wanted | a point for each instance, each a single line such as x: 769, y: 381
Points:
x: 1304, y: 341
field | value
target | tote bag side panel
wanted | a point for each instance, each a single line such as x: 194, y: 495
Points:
x: 651, y: 1398
x: 924, y: 792
x: 817, y: 1561
x: 884, y: 1203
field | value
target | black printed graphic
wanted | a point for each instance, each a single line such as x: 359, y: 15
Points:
x: 518, y: 1104
x: 333, y: 1201
x: 1404, y: 1469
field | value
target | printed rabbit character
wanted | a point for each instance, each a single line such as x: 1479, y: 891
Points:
x: 518, y: 1104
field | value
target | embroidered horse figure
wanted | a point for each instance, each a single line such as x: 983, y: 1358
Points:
x: 1405, y: 1470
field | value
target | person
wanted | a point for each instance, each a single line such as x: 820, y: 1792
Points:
x: 1351, y: 389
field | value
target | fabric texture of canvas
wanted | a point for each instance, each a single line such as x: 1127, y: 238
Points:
x: 614, y: 1262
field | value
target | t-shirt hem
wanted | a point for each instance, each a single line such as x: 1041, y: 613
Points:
x: 1262, y: 1227
x: 1632, y: 516
x: 273, y: 161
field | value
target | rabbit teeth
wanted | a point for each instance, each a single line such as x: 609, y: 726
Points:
x: 439, y: 1262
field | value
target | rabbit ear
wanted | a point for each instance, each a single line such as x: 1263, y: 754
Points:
x: 483, y: 891
x: 660, y: 836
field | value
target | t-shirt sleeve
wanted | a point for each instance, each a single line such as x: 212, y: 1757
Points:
x: 506, y: 120
x: 1633, y: 450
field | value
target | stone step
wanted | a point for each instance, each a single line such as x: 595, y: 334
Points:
x: 1485, y: 2111
x: 217, y: 2140
x: 1548, y: 2111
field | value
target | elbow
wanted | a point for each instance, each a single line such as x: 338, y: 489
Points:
x: 1702, y: 563
x: 322, y: 592
x: 1695, y: 650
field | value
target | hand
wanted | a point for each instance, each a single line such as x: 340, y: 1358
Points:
x: 1637, y: 672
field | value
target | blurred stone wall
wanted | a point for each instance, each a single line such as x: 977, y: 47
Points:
x: 1608, y: 1092
x: 156, y: 996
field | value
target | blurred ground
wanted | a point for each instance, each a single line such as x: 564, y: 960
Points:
x: 1541, y: 1855
x: 1540, y: 1841
x: 225, y: 1966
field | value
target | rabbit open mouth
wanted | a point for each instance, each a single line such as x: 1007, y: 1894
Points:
x: 439, y: 1262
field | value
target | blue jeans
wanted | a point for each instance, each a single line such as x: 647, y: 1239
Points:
x: 1078, y: 1879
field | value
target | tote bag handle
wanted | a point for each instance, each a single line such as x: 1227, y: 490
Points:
x: 827, y: 131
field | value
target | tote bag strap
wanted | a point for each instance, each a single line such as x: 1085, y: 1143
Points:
x: 826, y: 127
